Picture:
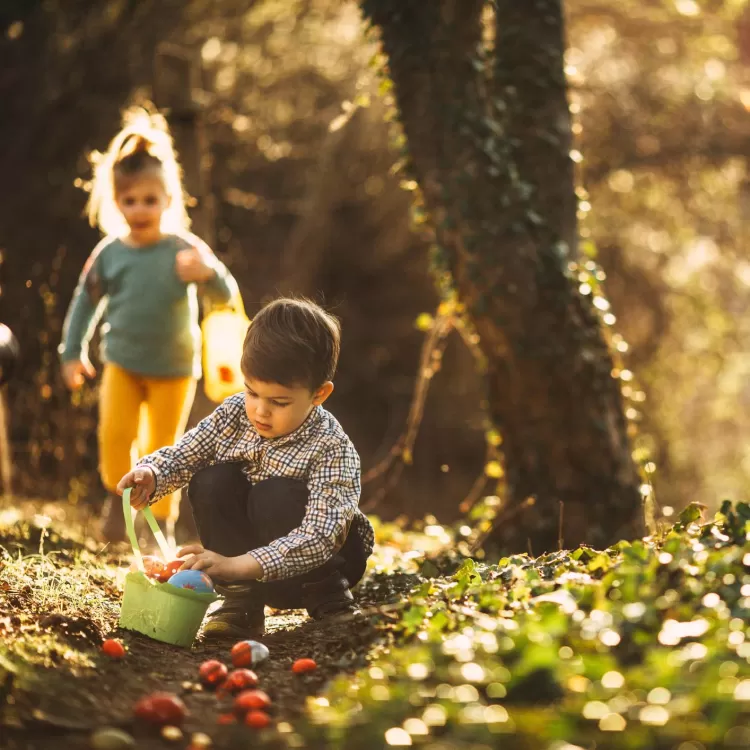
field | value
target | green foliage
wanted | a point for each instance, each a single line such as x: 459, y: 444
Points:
x: 645, y: 644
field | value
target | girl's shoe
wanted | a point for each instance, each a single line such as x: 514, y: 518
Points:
x: 112, y: 521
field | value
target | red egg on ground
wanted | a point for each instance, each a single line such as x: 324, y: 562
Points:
x: 161, y: 709
x: 251, y: 700
x: 212, y: 672
x: 239, y: 679
x: 257, y: 719
x: 304, y: 665
x: 226, y: 719
x: 242, y: 654
x: 114, y: 649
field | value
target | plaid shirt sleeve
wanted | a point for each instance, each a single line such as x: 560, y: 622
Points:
x: 175, y: 465
x: 334, y: 487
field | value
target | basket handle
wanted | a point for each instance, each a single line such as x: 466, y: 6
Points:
x: 153, y: 525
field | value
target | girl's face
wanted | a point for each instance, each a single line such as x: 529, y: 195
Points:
x: 142, y: 204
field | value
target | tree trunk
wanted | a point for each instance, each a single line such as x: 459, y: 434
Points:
x: 488, y: 134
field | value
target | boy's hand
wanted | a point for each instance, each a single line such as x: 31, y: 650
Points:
x: 73, y: 373
x: 191, y: 268
x: 240, y: 568
x: 143, y: 484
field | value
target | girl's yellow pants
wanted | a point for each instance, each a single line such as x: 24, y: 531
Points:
x: 138, y: 415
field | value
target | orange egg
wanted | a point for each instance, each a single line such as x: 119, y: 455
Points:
x: 251, y: 700
x: 257, y: 719
x: 212, y: 672
x: 304, y: 665
x: 161, y: 709
x: 242, y: 654
x: 114, y: 649
x: 239, y: 679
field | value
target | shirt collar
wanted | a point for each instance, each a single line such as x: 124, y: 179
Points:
x: 314, y: 418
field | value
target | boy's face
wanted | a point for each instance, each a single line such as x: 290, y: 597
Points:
x: 276, y: 410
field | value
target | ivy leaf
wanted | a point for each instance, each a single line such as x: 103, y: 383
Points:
x: 429, y: 570
x: 692, y: 514
x: 413, y: 618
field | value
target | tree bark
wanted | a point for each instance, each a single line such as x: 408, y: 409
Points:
x: 488, y: 134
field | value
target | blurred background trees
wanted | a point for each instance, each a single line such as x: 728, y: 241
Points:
x: 481, y: 95
x: 306, y: 201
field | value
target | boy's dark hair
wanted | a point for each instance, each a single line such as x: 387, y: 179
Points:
x: 292, y: 342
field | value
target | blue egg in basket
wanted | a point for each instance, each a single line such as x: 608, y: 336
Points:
x: 195, y: 580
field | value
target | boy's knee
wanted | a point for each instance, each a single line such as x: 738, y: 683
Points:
x: 215, y: 482
x: 279, y: 503
x: 280, y: 490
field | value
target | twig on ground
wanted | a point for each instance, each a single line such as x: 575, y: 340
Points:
x: 501, y: 518
x: 475, y: 492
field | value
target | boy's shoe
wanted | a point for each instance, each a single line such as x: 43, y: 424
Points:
x: 329, y: 598
x: 241, y: 614
x: 112, y: 521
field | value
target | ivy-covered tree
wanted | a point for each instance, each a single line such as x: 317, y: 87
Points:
x: 481, y: 95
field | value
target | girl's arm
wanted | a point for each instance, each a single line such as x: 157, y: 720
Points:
x: 220, y: 285
x: 85, y: 309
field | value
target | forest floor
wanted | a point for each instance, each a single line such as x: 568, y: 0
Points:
x: 643, y: 645
x: 60, y: 596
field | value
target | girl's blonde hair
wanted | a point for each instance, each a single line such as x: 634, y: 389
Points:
x: 144, y: 145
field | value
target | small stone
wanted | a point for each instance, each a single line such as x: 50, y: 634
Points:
x: 171, y: 734
x: 200, y: 740
x: 109, y: 738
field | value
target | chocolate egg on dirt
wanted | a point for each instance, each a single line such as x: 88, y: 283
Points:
x: 248, y: 653
x: 304, y: 665
x: 249, y: 700
x: 257, y: 719
x: 239, y: 679
x: 161, y: 709
x: 113, y: 648
x: 213, y: 672
x: 196, y: 580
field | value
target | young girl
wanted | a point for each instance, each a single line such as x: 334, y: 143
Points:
x: 142, y: 281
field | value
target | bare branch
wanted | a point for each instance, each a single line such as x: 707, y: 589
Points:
x: 432, y: 351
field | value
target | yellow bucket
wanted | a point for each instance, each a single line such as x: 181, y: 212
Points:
x: 223, y: 330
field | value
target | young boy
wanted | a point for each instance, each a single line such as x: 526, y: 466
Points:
x: 273, y: 480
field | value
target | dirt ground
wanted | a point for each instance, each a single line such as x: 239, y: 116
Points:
x: 59, y: 598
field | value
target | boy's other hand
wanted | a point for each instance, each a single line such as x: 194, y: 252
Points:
x: 191, y: 267
x: 240, y: 568
x: 73, y: 373
x: 142, y: 483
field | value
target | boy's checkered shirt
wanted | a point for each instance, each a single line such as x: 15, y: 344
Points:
x: 318, y: 452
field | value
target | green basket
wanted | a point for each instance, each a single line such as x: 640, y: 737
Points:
x: 161, y: 611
